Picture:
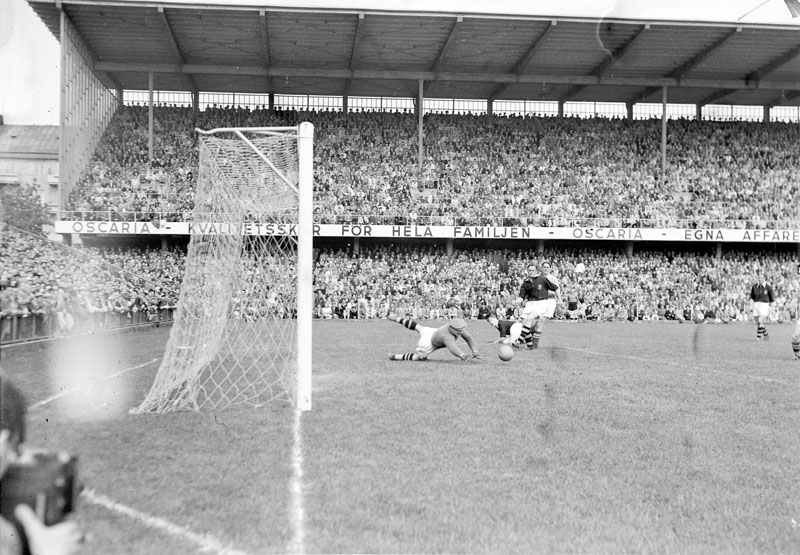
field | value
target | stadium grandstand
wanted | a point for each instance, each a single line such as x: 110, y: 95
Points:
x: 167, y: 276
x: 480, y: 135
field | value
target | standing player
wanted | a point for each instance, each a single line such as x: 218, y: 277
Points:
x: 534, y: 292
x: 432, y: 339
x: 796, y: 334
x: 763, y: 298
x: 553, y: 297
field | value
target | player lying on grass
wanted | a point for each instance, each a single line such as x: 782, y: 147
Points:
x: 509, y: 330
x: 433, y: 339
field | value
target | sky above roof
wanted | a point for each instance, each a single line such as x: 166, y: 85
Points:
x: 29, y: 54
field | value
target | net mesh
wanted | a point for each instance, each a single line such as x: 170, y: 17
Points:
x: 234, y: 337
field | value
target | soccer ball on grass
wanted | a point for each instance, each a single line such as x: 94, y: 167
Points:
x: 505, y: 352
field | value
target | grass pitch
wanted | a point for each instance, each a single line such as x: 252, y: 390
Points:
x: 611, y: 438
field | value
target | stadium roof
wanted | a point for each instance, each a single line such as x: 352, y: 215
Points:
x: 252, y: 48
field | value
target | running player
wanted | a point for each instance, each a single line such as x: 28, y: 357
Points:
x: 534, y: 292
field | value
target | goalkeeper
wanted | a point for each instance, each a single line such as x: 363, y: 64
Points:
x: 433, y: 339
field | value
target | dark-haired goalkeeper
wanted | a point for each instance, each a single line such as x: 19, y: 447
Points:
x: 433, y: 339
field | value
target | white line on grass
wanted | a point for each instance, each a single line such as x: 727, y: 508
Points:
x: 205, y: 542
x: 76, y: 389
x: 676, y: 364
x: 296, y: 489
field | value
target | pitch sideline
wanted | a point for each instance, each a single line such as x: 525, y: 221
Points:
x: 205, y: 542
x: 76, y: 389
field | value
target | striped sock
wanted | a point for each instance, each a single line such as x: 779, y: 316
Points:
x: 525, y: 335
x: 537, y: 335
x: 407, y: 322
x: 796, y: 346
x: 407, y: 356
x: 760, y: 332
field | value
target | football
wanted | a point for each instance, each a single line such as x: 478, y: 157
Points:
x: 505, y: 353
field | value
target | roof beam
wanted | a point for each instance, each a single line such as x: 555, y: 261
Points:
x: 523, y: 61
x: 103, y: 75
x: 440, y: 55
x: 714, y: 97
x: 689, y: 64
x: 354, y: 49
x: 784, y: 97
x: 411, y: 75
x: 175, y: 48
x: 774, y: 64
x: 604, y: 66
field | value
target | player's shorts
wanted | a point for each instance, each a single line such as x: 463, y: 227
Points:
x: 424, y: 345
x: 513, y: 333
x: 761, y: 309
x: 551, y: 307
x: 535, y: 309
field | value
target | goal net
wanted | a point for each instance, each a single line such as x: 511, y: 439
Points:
x: 242, y: 330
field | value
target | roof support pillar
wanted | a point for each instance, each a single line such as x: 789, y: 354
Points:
x: 420, y: 147
x: 664, y: 132
x: 150, y: 117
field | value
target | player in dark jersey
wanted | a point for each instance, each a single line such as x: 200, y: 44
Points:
x: 796, y: 334
x: 763, y: 298
x: 534, y: 293
x: 509, y: 330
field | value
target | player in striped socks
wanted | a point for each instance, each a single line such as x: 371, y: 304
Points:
x: 763, y: 298
x: 534, y: 292
x: 433, y: 339
x: 796, y: 334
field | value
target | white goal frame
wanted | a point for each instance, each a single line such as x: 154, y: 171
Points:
x: 164, y: 394
x: 305, y: 243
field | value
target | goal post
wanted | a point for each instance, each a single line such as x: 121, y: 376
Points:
x: 242, y: 329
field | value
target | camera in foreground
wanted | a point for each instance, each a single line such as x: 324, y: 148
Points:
x: 45, y: 481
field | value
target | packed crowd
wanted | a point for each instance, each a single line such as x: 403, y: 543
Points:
x: 601, y: 285
x: 65, y: 287
x: 69, y: 286
x: 505, y: 171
